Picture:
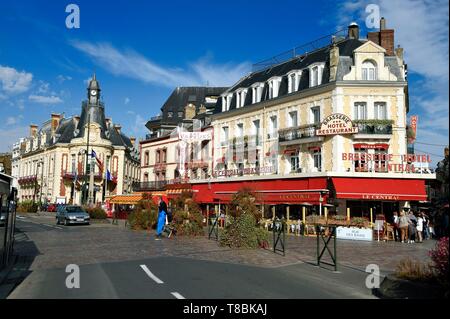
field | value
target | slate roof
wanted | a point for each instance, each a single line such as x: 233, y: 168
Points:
x: 302, y: 62
x: 181, y: 97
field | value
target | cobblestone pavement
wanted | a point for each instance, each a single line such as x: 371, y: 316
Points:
x: 56, y: 246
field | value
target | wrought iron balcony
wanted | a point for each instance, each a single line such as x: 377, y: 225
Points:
x: 296, y: 133
x: 374, y: 126
x: 149, y: 186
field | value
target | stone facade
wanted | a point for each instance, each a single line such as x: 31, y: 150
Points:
x: 52, y: 165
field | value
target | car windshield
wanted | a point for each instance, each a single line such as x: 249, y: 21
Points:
x: 74, y: 209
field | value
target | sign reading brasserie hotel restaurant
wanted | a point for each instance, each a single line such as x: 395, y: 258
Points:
x: 336, y: 124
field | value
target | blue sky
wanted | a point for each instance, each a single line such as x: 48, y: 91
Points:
x: 141, y: 50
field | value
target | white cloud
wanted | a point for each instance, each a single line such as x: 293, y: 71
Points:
x: 62, y: 78
x: 10, y: 136
x: 134, y: 65
x: 13, y: 81
x: 43, y: 87
x: 126, y: 101
x: 11, y: 120
x: 45, y: 99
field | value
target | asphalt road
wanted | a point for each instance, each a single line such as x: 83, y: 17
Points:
x: 165, y: 277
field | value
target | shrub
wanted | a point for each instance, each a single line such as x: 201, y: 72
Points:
x: 141, y: 219
x: 144, y: 215
x: 413, y: 270
x: 439, y: 256
x: 187, y: 217
x: 358, y: 221
x: 27, y: 206
x: 96, y: 213
x: 244, y: 202
x: 242, y: 232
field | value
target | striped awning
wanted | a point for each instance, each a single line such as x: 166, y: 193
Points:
x: 132, y: 199
x: 178, y: 191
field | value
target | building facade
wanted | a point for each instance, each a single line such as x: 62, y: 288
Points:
x: 179, y: 147
x: 325, y: 128
x: 56, y: 159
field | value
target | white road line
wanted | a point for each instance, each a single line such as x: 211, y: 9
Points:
x: 151, y: 275
x: 177, y: 295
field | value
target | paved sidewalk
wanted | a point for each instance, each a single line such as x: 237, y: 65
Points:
x: 56, y: 247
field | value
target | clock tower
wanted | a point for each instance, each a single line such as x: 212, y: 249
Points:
x: 93, y: 91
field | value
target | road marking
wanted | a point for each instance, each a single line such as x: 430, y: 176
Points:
x: 151, y: 275
x: 177, y: 295
x: 51, y: 226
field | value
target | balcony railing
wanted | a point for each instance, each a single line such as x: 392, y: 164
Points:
x: 27, y: 180
x: 149, y: 186
x: 374, y: 126
x: 296, y: 133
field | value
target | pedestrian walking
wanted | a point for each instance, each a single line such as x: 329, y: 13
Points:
x: 396, y: 229
x: 426, y: 231
x: 403, y: 223
x: 412, y: 227
x: 419, y: 227
x: 162, y: 212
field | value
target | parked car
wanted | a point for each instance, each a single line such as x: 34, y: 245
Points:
x: 70, y: 214
x: 51, y: 208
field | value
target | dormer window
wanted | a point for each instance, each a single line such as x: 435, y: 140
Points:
x: 256, y: 92
x: 226, y: 102
x: 274, y: 85
x: 240, y: 98
x: 315, y: 74
x: 369, y: 71
x: 293, y: 81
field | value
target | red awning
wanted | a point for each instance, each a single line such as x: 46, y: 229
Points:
x: 314, y: 148
x: 371, y: 146
x: 384, y: 189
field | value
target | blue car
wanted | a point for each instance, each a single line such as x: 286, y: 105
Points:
x: 70, y: 215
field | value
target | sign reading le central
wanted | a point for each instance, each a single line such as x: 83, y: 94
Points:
x: 336, y: 124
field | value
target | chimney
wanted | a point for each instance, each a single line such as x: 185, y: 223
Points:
x: 353, y: 31
x: 33, y: 130
x: 384, y: 38
x: 56, y: 118
x: 382, y: 23
x: 132, y: 140
x: 118, y: 127
x: 334, y: 61
x: 108, y: 121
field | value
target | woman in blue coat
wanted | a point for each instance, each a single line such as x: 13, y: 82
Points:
x: 162, y: 211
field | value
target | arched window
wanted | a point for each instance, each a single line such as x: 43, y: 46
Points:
x: 369, y: 70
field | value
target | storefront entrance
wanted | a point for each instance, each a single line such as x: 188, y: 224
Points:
x: 362, y: 208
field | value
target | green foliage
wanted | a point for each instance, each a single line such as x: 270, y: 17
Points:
x: 189, y: 221
x: 244, y: 202
x: 96, y: 212
x: 242, y: 232
x: 374, y: 122
x: 358, y: 221
x: 144, y: 215
x: 27, y: 206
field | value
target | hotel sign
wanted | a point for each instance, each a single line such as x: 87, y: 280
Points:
x: 337, y: 124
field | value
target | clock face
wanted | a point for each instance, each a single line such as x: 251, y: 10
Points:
x: 93, y: 92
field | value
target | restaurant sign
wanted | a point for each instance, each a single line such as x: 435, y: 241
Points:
x: 337, y: 124
x: 353, y: 233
